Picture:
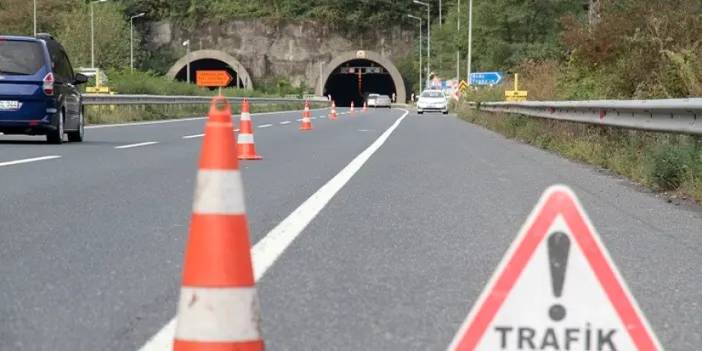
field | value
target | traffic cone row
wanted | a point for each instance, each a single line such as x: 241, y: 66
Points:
x: 247, y: 146
x: 218, y: 307
x: 306, y: 118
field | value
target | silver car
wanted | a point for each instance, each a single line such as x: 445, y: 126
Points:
x: 432, y: 100
x: 377, y: 100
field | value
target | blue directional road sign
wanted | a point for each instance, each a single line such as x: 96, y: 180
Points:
x: 485, y: 78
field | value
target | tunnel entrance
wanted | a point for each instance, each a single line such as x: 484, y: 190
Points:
x: 355, y: 79
x: 211, y: 60
x: 209, y: 65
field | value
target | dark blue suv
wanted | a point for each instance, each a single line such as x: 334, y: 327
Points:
x: 39, y: 92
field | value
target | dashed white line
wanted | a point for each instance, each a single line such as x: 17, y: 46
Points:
x: 267, y: 250
x: 265, y: 126
x: 313, y: 117
x: 285, y: 122
x: 299, y: 119
x: 193, y: 136
x: 28, y: 160
x: 130, y: 146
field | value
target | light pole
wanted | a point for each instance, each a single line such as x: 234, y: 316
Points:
x: 470, y: 40
x: 35, y: 18
x: 131, y: 39
x: 458, y: 52
x: 440, y: 8
x: 428, y: 34
x: 187, y: 45
x: 420, y: 51
x: 92, y: 33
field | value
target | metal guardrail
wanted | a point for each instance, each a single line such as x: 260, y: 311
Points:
x: 670, y: 115
x: 97, y: 99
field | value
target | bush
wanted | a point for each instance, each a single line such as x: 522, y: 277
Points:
x: 672, y: 165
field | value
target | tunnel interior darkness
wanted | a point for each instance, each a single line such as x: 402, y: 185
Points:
x: 343, y: 84
x: 208, y: 65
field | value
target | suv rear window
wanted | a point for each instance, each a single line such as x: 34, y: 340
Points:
x: 20, y: 57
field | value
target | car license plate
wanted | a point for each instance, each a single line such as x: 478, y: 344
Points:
x: 9, y: 105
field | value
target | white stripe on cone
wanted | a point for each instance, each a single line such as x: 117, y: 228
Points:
x: 245, y: 116
x: 218, y: 315
x: 245, y: 139
x: 211, y: 184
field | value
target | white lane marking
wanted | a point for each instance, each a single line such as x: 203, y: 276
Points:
x: 322, y: 117
x: 285, y: 122
x: 299, y: 119
x: 28, y: 160
x: 268, y: 249
x: 193, y: 136
x: 265, y: 126
x: 313, y: 117
x: 183, y: 120
x: 130, y: 146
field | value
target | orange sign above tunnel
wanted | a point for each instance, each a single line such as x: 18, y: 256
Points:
x: 213, y: 78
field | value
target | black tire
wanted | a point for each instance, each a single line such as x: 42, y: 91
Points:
x: 77, y: 136
x: 56, y: 136
x: 420, y: 112
x: 445, y: 112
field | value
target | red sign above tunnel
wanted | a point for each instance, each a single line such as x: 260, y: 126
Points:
x: 212, y: 78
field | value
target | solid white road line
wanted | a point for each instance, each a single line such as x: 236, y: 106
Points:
x: 285, y: 122
x: 28, y: 160
x: 193, y: 136
x: 267, y: 250
x: 265, y: 126
x: 130, y: 146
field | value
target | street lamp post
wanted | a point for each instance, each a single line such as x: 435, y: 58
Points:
x: 420, y: 50
x: 92, y: 32
x: 440, y: 20
x: 187, y: 45
x: 35, y: 18
x: 428, y: 34
x: 458, y: 52
x: 131, y: 39
x: 470, y: 40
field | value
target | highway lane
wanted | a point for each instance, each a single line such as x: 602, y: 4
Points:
x: 398, y: 257
x: 91, y: 253
x: 393, y: 262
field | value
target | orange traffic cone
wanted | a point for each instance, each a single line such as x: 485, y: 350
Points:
x: 218, y: 307
x: 306, y: 118
x: 246, y: 144
x: 365, y: 106
x: 352, y: 110
x: 332, y: 115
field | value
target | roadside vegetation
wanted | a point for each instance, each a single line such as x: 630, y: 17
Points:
x: 639, y: 50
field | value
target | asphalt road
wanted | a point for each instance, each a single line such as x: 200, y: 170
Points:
x: 91, y: 245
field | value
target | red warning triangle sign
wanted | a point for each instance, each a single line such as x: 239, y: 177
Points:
x: 556, y: 289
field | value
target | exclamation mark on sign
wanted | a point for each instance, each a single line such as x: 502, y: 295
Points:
x: 558, y: 248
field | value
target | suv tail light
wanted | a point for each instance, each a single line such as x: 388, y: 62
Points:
x: 48, y: 86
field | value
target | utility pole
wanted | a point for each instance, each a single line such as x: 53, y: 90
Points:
x: 470, y: 40
x: 131, y: 39
x: 428, y: 6
x: 35, y: 18
x: 420, y: 52
x: 92, y: 32
x: 458, y: 52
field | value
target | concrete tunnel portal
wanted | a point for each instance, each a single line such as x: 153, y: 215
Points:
x: 353, y: 75
x: 211, y: 60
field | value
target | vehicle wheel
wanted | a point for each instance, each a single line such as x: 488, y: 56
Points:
x: 56, y: 136
x: 77, y: 136
x: 420, y: 112
x: 445, y: 112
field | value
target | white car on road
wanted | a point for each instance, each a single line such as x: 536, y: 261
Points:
x: 432, y: 100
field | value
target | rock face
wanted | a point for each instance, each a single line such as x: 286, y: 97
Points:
x: 269, y: 49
